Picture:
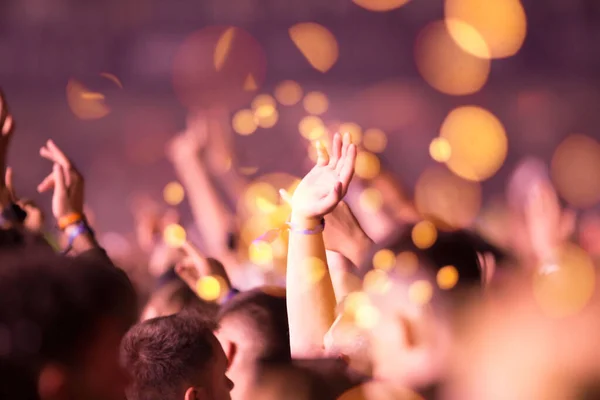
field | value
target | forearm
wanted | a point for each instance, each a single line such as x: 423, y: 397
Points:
x: 342, y: 278
x: 210, y: 215
x: 310, y: 296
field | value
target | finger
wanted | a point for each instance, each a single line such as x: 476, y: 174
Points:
x: 60, y: 186
x: 187, y: 273
x: 3, y: 107
x: 8, y: 182
x: 60, y: 156
x: 192, y: 252
x: 285, y: 196
x: 47, y: 183
x: 322, y: 155
x: 347, y: 171
x: 346, y: 141
x: 336, y: 150
x: 8, y: 125
x: 47, y: 154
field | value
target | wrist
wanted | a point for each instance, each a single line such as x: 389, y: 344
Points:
x: 305, y: 222
x: 356, y: 250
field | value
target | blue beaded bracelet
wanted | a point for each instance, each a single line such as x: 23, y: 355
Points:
x: 80, y: 229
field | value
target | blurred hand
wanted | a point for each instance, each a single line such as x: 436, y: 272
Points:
x: 6, y: 133
x: 548, y: 225
x: 195, y: 266
x: 35, y: 217
x: 326, y: 184
x: 343, y: 234
x: 67, y: 182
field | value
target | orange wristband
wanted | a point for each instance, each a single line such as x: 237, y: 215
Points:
x: 69, y: 219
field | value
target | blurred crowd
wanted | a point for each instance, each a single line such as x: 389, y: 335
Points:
x: 311, y: 292
x: 343, y: 284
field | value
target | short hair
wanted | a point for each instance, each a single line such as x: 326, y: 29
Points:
x: 264, y: 317
x: 164, y: 353
x: 50, y: 308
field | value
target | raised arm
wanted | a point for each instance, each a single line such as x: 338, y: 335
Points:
x: 210, y: 215
x: 310, y: 296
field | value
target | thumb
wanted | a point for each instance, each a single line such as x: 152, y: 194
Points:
x: 285, y: 196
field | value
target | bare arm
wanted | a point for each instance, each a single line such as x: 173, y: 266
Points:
x: 310, y: 295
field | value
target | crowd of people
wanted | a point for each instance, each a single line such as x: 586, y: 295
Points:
x: 396, y: 306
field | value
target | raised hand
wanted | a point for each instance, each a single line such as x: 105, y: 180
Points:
x: 548, y: 225
x: 326, y: 184
x: 195, y: 266
x: 67, y: 182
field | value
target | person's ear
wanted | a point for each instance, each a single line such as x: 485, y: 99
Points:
x: 195, y: 393
x: 52, y: 383
x: 487, y: 265
x: 230, y: 352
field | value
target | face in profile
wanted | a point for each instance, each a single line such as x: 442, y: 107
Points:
x: 219, y: 386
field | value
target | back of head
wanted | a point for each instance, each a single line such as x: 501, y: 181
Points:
x: 51, y: 308
x: 165, y: 354
x: 456, y: 251
x: 261, y: 319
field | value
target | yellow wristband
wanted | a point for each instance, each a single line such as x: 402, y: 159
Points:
x: 68, y: 220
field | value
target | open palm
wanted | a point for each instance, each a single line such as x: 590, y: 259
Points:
x: 327, y: 183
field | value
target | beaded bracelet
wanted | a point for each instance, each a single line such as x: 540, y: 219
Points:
x: 79, y: 229
x: 318, y: 229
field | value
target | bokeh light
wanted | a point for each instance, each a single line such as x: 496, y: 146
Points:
x: 446, y: 66
x: 367, y: 316
x: 384, y: 259
x: 367, y: 165
x: 263, y: 106
x: 376, y: 281
x: 243, y: 122
x: 440, y: 150
x: 420, y: 292
x: 223, y: 48
x: 575, y: 170
x: 267, y: 121
x: 424, y: 234
x: 85, y: 104
x: 260, y: 253
x: 564, y: 288
x: 502, y: 25
x: 174, y: 235
x: 315, y: 103
x: 288, y: 93
x: 477, y: 140
x: 370, y: 200
x: 380, y: 5
x: 260, y: 197
x: 316, y: 43
x: 173, y: 193
x: 311, y: 127
x: 218, y: 64
x: 447, y: 277
x: 374, y: 140
x: 316, y: 270
x: 210, y: 288
x: 448, y: 200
